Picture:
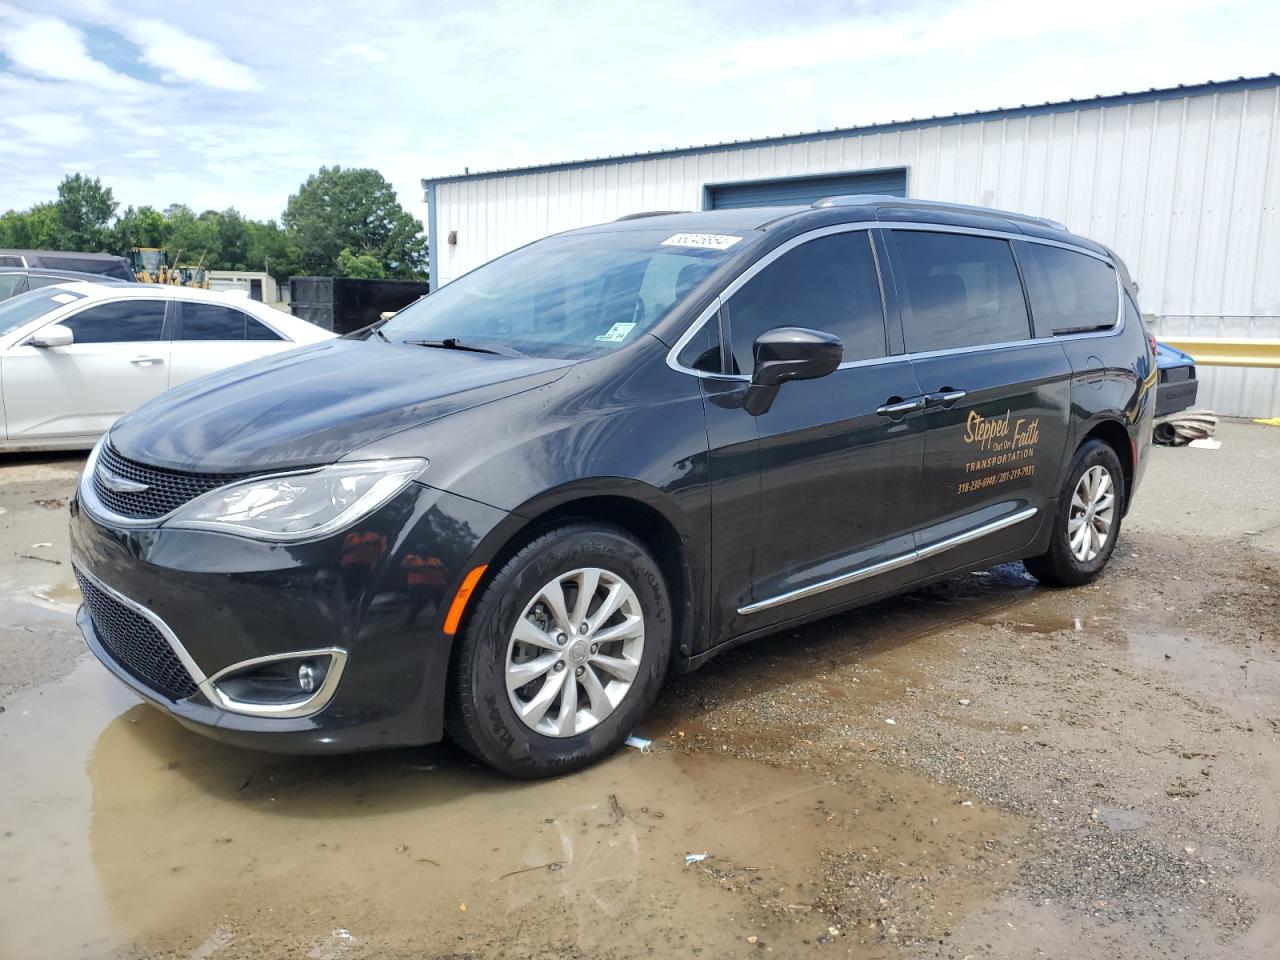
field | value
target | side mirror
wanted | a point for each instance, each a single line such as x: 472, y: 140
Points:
x: 54, y: 335
x: 789, y: 353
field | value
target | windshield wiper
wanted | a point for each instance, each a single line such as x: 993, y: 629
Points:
x: 453, y: 343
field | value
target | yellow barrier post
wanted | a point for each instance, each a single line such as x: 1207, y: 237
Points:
x: 1223, y: 352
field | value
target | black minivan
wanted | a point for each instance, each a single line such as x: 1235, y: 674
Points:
x: 509, y: 510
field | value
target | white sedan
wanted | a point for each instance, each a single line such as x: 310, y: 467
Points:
x: 75, y: 356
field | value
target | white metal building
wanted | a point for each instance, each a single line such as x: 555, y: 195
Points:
x: 1183, y: 183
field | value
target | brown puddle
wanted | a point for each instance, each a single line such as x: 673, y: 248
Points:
x: 1243, y: 682
x: 182, y: 845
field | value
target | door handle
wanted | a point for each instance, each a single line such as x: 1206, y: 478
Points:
x: 895, y: 408
x: 945, y: 398
x: 146, y: 361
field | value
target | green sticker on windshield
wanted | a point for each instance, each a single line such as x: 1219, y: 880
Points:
x: 617, y: 333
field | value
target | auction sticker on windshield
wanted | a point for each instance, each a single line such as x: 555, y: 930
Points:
x: 709, y: 241
x: 617, y: 333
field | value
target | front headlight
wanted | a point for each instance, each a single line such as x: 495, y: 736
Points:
x: 299, y: 506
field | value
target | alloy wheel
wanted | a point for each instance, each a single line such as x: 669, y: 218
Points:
x: 1093, y: 507
x: 575, y: 652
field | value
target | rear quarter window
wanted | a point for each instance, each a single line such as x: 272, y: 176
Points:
x: 1070, y: 292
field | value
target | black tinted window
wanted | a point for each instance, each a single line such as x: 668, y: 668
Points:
x: 960, y: 291
x: 209, y: 321
x: 827, y: 284
x: 1069, y: 291
x: 123, y: 322
x: 259, y: 331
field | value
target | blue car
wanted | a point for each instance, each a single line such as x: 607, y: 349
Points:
x: 1178, y: 384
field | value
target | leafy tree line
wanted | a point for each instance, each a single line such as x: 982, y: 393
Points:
x: 340, y: 223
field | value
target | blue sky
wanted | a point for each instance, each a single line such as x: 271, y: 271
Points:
x: 234, y: 103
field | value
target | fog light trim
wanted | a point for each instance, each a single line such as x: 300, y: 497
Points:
x: 314, y: 703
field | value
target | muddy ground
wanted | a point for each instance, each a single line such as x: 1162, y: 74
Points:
x: 982, y: 769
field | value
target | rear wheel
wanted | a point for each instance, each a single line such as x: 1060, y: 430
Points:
x: 1088, y: 519
x: 563, y: 654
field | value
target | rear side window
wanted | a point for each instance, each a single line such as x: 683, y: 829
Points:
x: 210, y: 321
x: 1070, y: 292
x: 259, y: 331
x: 959, y: 291
x: 126, y: 321
x: 829, y: 284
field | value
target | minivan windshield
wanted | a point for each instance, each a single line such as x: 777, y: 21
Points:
x: 25, y: 307
x: 569, y: 297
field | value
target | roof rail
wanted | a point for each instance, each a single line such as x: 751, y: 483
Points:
x: 859, y: 200
x: 648, y: 213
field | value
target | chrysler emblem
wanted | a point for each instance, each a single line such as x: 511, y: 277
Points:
x: 120, y: 484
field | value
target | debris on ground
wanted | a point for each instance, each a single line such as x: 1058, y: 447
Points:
x: 639, y: 743
x: 32, y: 556
x: 1179, y: 429
x: 692, y: 858
x: 1206, y: 443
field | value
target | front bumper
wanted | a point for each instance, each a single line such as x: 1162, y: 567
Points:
x: 374, y: 594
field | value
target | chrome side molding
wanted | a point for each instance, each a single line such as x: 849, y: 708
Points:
x: 893, y: 563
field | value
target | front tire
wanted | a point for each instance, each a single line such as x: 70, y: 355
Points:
x: 1087, y: 522
x: 563, y: 654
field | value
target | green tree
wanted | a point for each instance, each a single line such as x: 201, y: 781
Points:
x: 85, y: 208
x: 233, y: 238
x: 360, y: 266
x: 270, y: 249
x: 140, y: 227
x: 337, y: 209
x: 36, y: 229
x: 191, y: 238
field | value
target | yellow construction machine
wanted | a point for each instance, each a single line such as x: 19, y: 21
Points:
x: 151, y: 265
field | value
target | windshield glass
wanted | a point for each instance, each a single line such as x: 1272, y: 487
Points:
x: 18, y: 310
x: 568, y: 297
x: 147, y: 260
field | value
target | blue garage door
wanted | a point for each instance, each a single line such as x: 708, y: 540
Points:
x: 799, y: 190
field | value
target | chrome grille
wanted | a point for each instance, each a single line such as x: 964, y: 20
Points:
x: 134, y: 643
x: 166, y: 491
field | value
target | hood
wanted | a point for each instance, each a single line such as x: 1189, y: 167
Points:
x: 316, y: 404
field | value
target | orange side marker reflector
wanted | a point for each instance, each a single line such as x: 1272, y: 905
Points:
x: 460, y: 599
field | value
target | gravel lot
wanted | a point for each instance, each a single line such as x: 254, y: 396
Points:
x: 985, y: 768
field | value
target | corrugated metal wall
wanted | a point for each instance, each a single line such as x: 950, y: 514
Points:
x: 1184, y: 189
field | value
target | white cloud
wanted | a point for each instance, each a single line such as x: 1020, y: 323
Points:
x: 50, y: 129
x: 50, y: 48
x: 360, y: 51
x: 185, y: 57
x: 501, y: 83
x: 973, y: 24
